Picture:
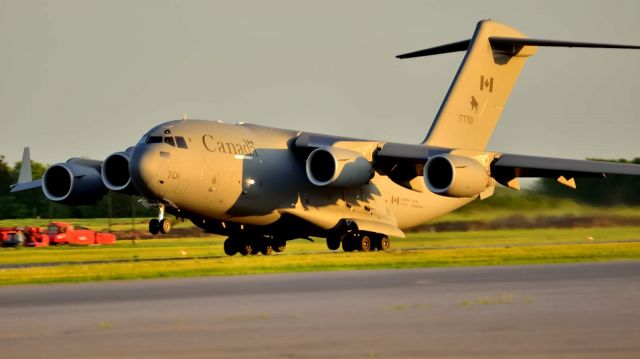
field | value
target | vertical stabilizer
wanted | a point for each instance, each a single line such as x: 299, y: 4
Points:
x: 480, y: 89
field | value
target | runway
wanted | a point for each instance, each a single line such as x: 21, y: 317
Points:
x: 536, y: 311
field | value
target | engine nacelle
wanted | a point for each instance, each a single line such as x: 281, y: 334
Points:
x: 75, y: 182
x: 338, y: 168
x: 455, y: 176
x: 115, y: 173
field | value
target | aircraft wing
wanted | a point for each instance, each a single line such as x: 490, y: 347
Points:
x: 404, y: 162
x: 533, y: 166
x: 25, y: 186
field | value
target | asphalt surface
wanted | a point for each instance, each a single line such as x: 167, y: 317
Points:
x: 537, y: 311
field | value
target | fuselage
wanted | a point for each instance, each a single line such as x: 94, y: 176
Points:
x: 250, y: 175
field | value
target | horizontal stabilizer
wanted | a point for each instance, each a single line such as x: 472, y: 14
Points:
x: 512, y: 45
x: 442, y: 49
x: 517, y: 41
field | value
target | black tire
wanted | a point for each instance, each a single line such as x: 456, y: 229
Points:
x: 333, y: 242
x: 364, y: 243
x: 266, y: 249
x: 230, y: 246
x: 384, y: 243
x: 279, y: 245
x: 255, y: 247
x: 348, y: 243
x: 246, y: 248
x: 154, y: 226
x: 375, y: 243
x: 165, y: 226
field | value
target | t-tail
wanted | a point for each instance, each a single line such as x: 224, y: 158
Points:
x: 492, y: 63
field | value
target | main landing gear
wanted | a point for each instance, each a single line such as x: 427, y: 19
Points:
x: 247, y: 246
x: 160, y: 224
x: 358, y: 241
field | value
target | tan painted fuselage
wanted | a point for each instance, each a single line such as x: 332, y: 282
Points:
x: 251, y: 175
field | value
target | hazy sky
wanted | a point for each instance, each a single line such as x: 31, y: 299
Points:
x: 88, y: 78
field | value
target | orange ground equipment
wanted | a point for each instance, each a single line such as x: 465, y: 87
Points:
x: 65, y: 233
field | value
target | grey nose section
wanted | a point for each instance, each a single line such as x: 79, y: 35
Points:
x: 143, y: 168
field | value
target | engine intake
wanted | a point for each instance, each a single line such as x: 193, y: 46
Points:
x: 338, y: 168
x: 115, y: 173
x: 455, y: 176
x: 75, y: 182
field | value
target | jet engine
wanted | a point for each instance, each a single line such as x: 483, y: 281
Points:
x: 115, y: 173
x: 76, y: 181
x: 338, y: 168
x: 455, y: 176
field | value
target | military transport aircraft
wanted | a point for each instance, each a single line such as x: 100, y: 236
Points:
x: 262, y: 186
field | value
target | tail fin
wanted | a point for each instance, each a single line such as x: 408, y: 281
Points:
x: 477, y: 96
x: 492, y: 63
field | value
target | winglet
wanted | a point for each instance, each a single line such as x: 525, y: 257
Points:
x: 25, y: 168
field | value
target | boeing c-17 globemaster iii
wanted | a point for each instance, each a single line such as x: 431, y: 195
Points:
x: 263, y: 186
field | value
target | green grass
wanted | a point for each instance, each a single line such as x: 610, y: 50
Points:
x: 323, y: 262
x: 444, y: 249
x: 212, y: 246
x: 487, y: 247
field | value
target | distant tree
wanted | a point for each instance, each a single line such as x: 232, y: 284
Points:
x: 6, y: 177
x: 37, y: 170
x: 601, y: 191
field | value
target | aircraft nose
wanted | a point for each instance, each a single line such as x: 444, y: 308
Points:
x: 143, y: 168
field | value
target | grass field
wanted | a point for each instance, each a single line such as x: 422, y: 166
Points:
x: 184, y: 257
x: 203, y: 256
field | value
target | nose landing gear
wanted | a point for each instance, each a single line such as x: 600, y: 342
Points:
x: 160, y: 224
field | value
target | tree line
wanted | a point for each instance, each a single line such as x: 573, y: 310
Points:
x: 609, y: 191
x: 598, y: 191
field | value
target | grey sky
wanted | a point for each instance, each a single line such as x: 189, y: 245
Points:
x: 88, y: 78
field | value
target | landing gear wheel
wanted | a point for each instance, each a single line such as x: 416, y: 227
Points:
x: 348, y: 242
x: 255, y: 248
x: 165, y: 226
x: 266, y: 250
x: 230, y: 246
x: 154, y: 226
x: 246, y: 248
x: 279, y: 245
x: 384, y: 243
x: 333, y: 242
x: 365, y: 243
x: 375, y: 243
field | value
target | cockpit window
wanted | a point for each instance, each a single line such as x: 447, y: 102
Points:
x: 169, y: 140
x: 181, y: 142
